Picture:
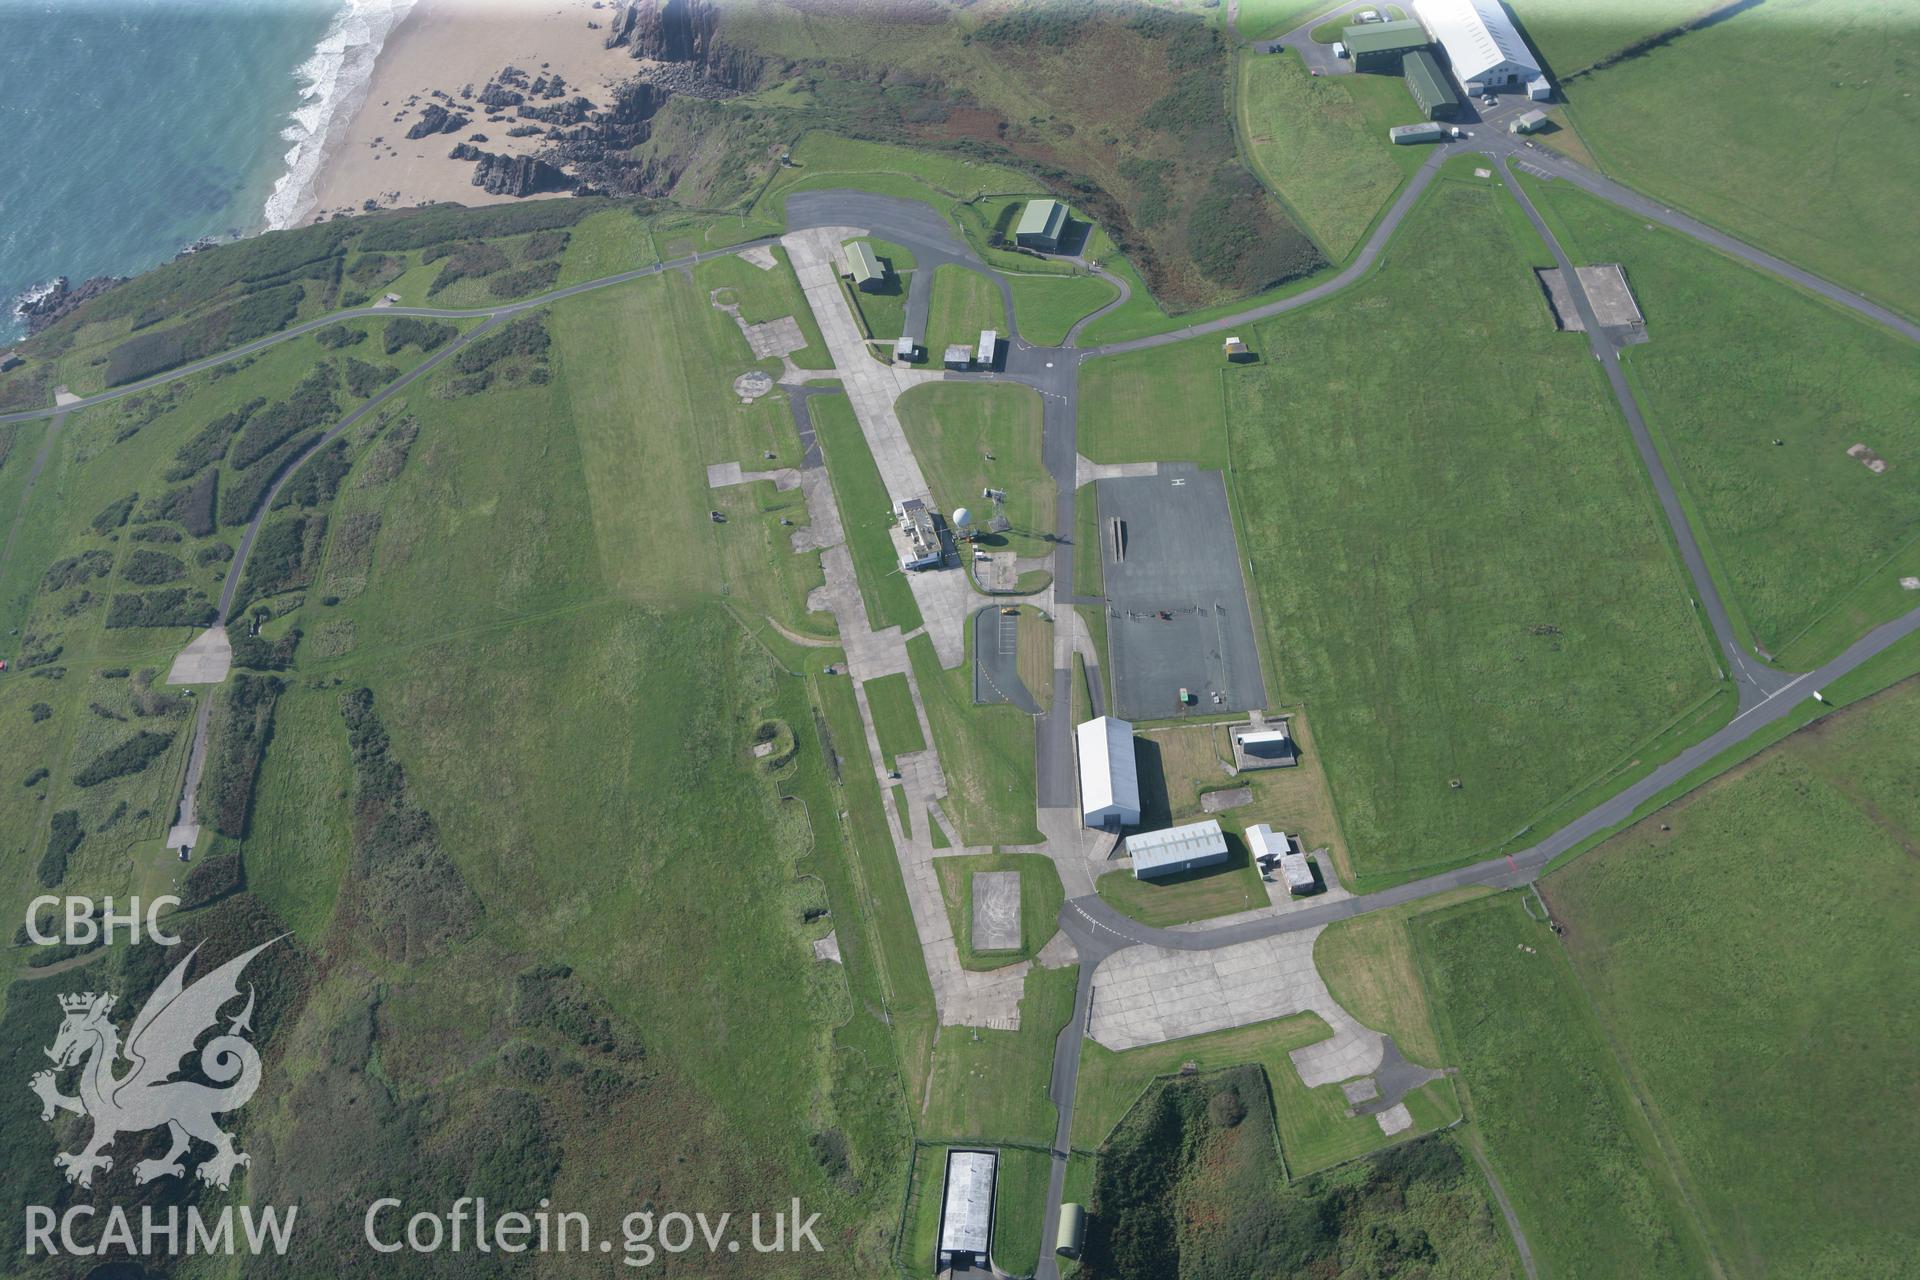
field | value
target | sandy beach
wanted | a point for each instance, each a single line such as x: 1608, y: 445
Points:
x: 446, y: 45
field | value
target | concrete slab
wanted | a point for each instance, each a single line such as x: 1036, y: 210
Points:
x: 1364, y: 1089
x: 774, y: 338
x: 1221, y: 801
x: 1086, y: 472
x: 1395, y: 1119
x: 996, y: 911
x: 1147, y: 995
x: 63, y: 396
x: 828, y: 948
x: 760, y: 255
x: 206, y: 660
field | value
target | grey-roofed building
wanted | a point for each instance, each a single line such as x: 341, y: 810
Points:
x: 1041, y: 223
x: 1429, y: 86
x: 966, y: 1210
x: 1528, y: 123
x: 989, y: 350
x: 905, y: 348
x: 1266, y: 748
x: 1379, y: 46
x: 1483, y: 47
x: 1277, y: 851
x: 920, y: 536
x: 863, y: 267
x: 959, y: 357
x: 1109, y: 774
x: 1177, y: 849
x: 1403, y: 134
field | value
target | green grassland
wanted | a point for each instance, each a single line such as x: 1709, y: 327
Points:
x: 1159, y: 405
x: 962, y: 303
x: 496, y: 566
x: 991, y: 1085
x: 1451, y: 609
x: 1564, y: 1134
x: 1714, y: 951
x: 865, y: 514
x: 1757, y: 391
x: 1572, y: 36
x: 890, y: 702
x: 954, y: 426
x: 1041, y: 896
x: 1369, y: 966
x: 1824, y: 193
x: 1047, y: 306
x: 1321, y: 142
x: 766, y: 295
x: 985, y: 752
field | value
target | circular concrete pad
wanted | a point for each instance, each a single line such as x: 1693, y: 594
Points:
x: 752, y: 385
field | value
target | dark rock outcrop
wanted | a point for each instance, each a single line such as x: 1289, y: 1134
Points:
x: 435, y: 118
x: 685, y: 31
x: 500, y: 175
x: 499, y: 97
x: 51, y: 306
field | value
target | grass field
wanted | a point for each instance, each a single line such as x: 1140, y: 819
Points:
x: 962, y: 303
x: 1047, y: 305
x: 985, y: 752
x: 1757, y: 392
x: 1164, y: 404
x: 1825, y: 194
x: 992, y: 1085
x: 1711, y: 955
x: 1040, y: 899
x: 1450, y: 609
x: 1369, y: 966
x: 895, y: 723
x: 766, y: 295
x: 954, y: 426
x: 865, y: 513
x: 1321, y: 145
x: 1578, y: 1160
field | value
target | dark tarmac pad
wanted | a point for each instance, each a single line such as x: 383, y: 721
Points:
x: 996, y: 911
x: 996, y: 661
x: 1178, y: 557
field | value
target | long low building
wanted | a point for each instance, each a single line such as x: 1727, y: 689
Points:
x: 1177, y: 849
x: 1430, y: 87
x: 1484, y: 49
x: 966, y: 1211
x: 1379, y: 46
x: 1109, y: 775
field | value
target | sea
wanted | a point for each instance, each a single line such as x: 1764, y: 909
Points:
x: 136, y: 128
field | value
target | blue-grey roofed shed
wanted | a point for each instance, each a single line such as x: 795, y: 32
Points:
x: 1041, y: 223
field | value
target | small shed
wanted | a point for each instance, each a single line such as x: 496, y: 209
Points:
x: 1407, y: 134
x: 1429, y: 86
x: 1540, y: 89
x: 1531, y: 122
x: 905, y: 348
x: 1339, y: 49
x: 1236, y: 350
x: 1041, y: 223
x: 863, y: 267
x: 1071, y: 1234
x: 1177, y: 849
x: 958, y: 357
x: 1276, y: 851
x: 989, y: 350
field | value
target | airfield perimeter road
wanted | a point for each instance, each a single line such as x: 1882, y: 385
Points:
x: 1097, y: 929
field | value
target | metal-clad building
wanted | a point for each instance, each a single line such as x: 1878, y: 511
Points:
x: 958, y: 356
x: 864, y: 267
x: 966, y: 1210
x: 1429, y: 87
x: 1404, y: 134
x: 1528, y: 123
x: 1274, y: 850
x: 1483, y: 47
x: 1177, y: 849
x: 1379, y: 46
x: 1109, y: 776
x: 1041, y: 223
x: 989, y: 350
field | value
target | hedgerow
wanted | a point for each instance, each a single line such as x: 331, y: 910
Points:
x: 129, y: 757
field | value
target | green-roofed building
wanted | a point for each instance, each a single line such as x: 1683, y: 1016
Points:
x: 1379, y: 46
x: 863, y: 267
x: 1429, y: 87
x: 1041, y: 223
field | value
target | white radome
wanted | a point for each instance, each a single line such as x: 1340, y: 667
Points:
x: 962, y: 517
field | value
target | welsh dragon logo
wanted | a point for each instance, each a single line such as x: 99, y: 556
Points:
x: 147, y: 1096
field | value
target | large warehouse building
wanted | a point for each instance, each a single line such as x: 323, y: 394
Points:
x: 1430, y: 87
x: 1109, y: 778
x: 966, y: 1211
x: 1177, y: 849
x: 1482, y: 45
